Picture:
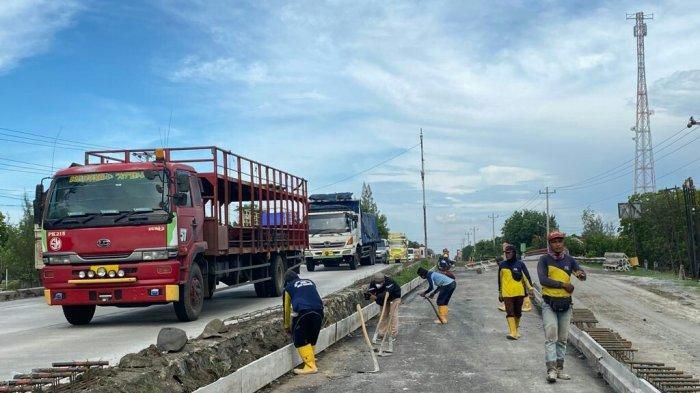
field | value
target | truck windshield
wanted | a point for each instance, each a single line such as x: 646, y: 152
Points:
x: 396, y: 243
x: 116, y: 197
x: 328, y: 223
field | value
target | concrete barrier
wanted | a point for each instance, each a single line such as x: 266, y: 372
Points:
x: 261, y: 372
x: 21, y: 294
x: 616, y: 374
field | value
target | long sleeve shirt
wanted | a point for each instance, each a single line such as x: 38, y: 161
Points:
x: 513, y: 278
x: 553, y: 273
x: 390, y: 288
x: 437, y: 280
x: 300, y: 295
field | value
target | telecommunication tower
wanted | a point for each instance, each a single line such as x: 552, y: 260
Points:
x: 644, y: 177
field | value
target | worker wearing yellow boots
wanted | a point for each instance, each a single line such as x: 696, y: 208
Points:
x: 441, y: 283
x: 303, y: 317
x: 513, y: 279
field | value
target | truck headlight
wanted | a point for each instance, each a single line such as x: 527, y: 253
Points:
x: 57, y: 260
x: 155, y: 255
x: 101, y: 272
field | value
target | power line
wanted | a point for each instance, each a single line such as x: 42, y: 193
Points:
x: 368, y: 169
x: 91, y: 145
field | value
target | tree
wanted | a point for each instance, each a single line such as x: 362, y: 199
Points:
x: 18, y: 251
x: 592, y: 223
x: 527, y: 226
x: 368, y: 205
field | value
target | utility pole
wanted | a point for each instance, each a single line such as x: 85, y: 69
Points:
x: 474, y: 229
x: 644, y: 175
x: 690, y: 210
x: 422, y: 179
x: 547, y: 192
x: 493, y: 218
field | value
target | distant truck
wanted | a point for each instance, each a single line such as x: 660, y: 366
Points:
x: 411, y: 254
x: 140, y: 227
x: 398, y: 247
x: 383, y: 251
x: 340, y: 232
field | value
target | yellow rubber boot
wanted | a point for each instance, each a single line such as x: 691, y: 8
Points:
x: 307, y: 355
x: 502, y: 307
x: 517, y: 327
x: 512, y: 330
x: 442, y: 314
x: 527, y: 304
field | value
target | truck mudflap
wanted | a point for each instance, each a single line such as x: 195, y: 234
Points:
x: 113, y: 296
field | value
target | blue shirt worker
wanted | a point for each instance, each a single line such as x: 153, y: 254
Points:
x: 554, y: 271
x: 303, y: 317
x: 513, y: 279
x: 440, y: 283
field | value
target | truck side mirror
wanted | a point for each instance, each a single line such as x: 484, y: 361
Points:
x: 38, y: 203
x: 180, y: 199
x: 150, y: 174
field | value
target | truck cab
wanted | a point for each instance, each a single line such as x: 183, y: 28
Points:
x: 340, y: 233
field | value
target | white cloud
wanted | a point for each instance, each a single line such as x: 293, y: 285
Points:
x: 29, y: 26
x: 495, y: 175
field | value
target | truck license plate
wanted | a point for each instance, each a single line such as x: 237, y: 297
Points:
x: 327, y: 253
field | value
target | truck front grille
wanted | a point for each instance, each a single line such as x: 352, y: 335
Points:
x: 327, y: 245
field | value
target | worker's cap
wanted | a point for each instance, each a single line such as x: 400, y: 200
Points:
x: 378, y: 277
x: 556, y: 235
x: 444, y: 250
x: 290, y: 275
x: 509, y: 247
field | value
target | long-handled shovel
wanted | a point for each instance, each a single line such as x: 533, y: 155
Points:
x: 376, y: 331
x: 390, y: 349
x: 435, y: 310
x: 369, y: 343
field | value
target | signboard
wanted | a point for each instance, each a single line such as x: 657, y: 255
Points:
x: 629, y: 210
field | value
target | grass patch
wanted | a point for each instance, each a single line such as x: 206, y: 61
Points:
x: 410, y: 272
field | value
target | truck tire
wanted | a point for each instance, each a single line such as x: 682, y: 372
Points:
x: 275, y: 286
x: 79, y: 315
x: 210, y: 280
x: 189, y: 306
x: 354, y: 261
x: 310, y: 265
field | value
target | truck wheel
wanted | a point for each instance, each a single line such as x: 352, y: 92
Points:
x: 210, y: 281
x: 354, y: 261
x: 310, y: 265
x: 79, y: 315
x: 188, y: 307
x: 275, y: 286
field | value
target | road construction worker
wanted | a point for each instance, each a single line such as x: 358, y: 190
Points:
x: 303, y: 317
x: 381, y: 287
x: 445, y: 264
x: 440, y: 283
x: 502, y: 305
x: 513, y: 280
x: 554, y: 271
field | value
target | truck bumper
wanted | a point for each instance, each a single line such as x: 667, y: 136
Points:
x: 144, y: 283
x: 329, y: 254
x: 146, y: 294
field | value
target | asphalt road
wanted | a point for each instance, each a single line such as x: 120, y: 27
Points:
x: 32, y: 334
x: 469, y: 354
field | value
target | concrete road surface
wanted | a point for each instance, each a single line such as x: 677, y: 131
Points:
x: 32, y: 334
x: 469, y: 354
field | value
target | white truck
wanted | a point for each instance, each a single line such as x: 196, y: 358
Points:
x: 340, y: 232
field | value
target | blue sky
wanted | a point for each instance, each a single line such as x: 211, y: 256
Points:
x: 512, y: 96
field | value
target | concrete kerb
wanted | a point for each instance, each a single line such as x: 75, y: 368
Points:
x: 261, y: 372
x: 616, y: 374
x: 21, y: 294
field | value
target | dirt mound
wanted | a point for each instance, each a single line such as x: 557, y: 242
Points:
x: 203, y: 361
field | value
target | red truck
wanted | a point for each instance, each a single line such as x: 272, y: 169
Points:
x: 154, y: 226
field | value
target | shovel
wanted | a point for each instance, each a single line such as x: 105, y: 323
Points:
x: 369, y: 343
x: 376, y: 331
x: 434, y: 309
x: 390, y: 349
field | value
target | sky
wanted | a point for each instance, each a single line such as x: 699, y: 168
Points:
x: 511, y: 96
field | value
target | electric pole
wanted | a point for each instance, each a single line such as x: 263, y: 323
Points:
x: 474, y: 229
x: 493, y: 218
x: 547, y: 192
x: 422, y: 179
x: 644, y: 175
